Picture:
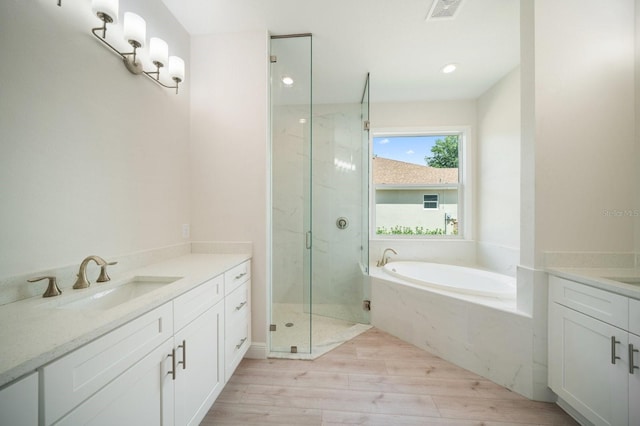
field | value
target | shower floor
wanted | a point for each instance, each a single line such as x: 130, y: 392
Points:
x: 327, y: 333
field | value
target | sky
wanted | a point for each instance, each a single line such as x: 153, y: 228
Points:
x: 410, y: 149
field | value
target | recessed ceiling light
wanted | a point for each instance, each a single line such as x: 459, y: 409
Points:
x: 287, y: 81
x: 449, y: 68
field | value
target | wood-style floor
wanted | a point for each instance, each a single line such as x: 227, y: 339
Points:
x: 374, y: 379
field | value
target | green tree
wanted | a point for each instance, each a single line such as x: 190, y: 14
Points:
x: 445, y: 153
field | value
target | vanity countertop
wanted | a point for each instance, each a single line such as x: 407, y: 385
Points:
x: 602, y: 278
x: 34, y: 331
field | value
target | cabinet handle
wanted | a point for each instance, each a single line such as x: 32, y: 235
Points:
x: 613, y: 349
x: 173, y: 364
x: 184, y: 354
x: 241, y: 342
x: 631, y: 366
x: 240, y: 275
x: 241, y: 305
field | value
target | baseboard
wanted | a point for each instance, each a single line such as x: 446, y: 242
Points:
x: 257, y: 350
x: 573, y: 413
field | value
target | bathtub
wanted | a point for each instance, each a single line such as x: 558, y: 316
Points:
x: 456, y: 279
x: 464, y: 315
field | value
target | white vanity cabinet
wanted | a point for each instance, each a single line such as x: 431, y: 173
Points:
x: 589, y: 352
x: 198, y: 353
x: 237, y: 315
x: 165, y: 367
x: 19, y: 402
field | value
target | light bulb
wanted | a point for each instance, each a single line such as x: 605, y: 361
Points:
x: 107, y: 10
x: 449, y: 68
x: 135, y: 29
x: 176, y: 68
x: 158, y: 51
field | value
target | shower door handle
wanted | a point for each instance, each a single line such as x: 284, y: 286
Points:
x: 307, y: 240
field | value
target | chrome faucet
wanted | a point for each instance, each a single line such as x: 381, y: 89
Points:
x: 385, y: 259
x: 82, y: 281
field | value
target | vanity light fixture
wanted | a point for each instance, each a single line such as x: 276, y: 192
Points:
x: 135, y: 29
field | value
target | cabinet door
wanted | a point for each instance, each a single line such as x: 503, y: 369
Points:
x: 143, y: 395
x: 19, y: 402
x: 200, y: 372
x: 581, y: 371
x: 634, y: 382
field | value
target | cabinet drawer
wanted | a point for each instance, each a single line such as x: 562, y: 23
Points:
x: 236, y: 276
x: 237, y: 341
x: 190, y: 305
x: 237, y: 304
x: 73, y: 378
x: 634, y: 316
x: 603, y: 305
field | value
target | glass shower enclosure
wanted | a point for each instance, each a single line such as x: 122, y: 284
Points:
x: 319, y: 206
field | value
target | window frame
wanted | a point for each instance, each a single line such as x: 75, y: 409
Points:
x: 464, y: 185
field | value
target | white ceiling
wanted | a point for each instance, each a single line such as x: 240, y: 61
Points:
x: 388, y: 38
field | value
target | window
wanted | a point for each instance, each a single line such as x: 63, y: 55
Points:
x: 430, y: 201
x: 417, y: 184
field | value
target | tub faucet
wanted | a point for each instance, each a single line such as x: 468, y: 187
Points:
x: 82, y: 281
x: 385, y: 259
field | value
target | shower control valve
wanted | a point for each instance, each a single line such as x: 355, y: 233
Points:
x: 342, y: 222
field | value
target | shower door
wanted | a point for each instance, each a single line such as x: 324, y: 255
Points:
x: 319, y: 204
x: 291, y: 196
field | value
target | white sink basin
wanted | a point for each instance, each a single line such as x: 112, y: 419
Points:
x: 109, y: 298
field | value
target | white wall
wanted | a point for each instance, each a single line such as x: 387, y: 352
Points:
x: 498, y: 173
x: 584, y: 125
x: 229, y: 150
x: 93, y: 160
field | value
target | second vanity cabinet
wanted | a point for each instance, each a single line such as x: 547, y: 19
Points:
x: 166, y: 367
x: 591, y: 352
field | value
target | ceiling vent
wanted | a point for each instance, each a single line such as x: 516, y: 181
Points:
x: 444, y: 9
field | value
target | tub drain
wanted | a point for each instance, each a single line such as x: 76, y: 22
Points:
x: 289, y: 324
